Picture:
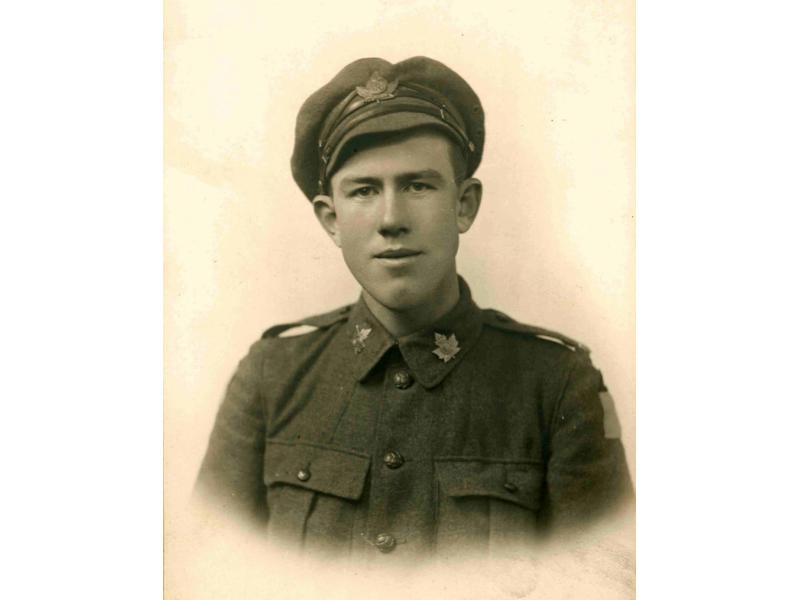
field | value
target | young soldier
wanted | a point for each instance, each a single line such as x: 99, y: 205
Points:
x: 413, y: 421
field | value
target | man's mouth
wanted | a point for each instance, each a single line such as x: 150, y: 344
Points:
x: 397, y: 253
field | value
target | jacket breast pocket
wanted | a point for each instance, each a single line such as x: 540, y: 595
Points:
x: 312, y: 491
x: 487, y: 505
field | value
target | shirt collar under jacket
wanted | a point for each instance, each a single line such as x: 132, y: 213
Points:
x: 418, y: 349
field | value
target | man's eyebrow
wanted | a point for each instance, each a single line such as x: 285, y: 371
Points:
x: 359, y: 180
x: 409, y: 176
x: 424, y: 174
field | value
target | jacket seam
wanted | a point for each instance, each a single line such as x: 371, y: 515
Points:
x: 560, y: 401
x: 318, y: 445
x: 488, y: 460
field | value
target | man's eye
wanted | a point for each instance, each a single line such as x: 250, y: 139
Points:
x: 363, y: 192
x: 418, y: 186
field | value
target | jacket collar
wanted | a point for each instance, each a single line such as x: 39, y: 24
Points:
x: 431, y: 354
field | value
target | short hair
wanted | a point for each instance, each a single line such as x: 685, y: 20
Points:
x: 458, y: 159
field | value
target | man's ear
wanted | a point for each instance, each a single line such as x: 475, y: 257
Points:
x: 326, y: 215
x: 469, y: 202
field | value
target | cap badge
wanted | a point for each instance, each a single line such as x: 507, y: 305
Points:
x: 360, y: 337
x: 446, y: 347
x: 376, y: 88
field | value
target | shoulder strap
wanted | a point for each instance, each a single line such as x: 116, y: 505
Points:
x: 499, y: 320
x: 322, y: 321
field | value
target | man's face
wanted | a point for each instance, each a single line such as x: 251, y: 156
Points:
x: 398, y: 214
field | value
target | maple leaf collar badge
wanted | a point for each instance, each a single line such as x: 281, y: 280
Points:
x: 376, y: 88
x: 446, y: 347
x: 360, y: 338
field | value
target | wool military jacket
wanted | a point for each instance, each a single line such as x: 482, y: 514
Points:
x: 475, y: 434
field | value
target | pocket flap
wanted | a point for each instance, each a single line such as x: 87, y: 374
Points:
x: 517, y: 482
x: 321, y: 469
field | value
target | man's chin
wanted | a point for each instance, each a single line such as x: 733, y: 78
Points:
x: 396, y: 302
x: 397, y: 296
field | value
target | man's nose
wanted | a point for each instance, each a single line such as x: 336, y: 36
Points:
x: 394, y: 218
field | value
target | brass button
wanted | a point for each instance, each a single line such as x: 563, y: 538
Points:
x: 403, y: 379
x: 304, y: 474
x: 510, y: 487
x: 393, y: 460
x: 385, y: 542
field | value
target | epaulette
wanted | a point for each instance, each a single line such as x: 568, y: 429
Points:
x: 322, y: 321
x: 500, y: 320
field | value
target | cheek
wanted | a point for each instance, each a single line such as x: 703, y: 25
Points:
x: 354, y: 233
x: 441, y: 226
x: 359, y: 223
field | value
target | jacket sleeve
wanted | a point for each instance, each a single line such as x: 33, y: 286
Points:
x: 587, y: 474
x: 232, y: 471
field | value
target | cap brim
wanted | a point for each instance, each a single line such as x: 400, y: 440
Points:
x: 388, y: 123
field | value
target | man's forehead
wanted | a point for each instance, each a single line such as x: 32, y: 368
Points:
x: 422, y: 154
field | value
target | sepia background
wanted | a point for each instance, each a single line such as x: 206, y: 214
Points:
x: 553, y: 244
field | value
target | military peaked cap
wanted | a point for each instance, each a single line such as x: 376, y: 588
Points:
x: 372, y: 96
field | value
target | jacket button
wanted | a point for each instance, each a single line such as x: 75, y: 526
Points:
x: 304, y: 474
x: 385, y: 542
x: 403, y: 380
x: 510, y: 487
x: 393, y: 460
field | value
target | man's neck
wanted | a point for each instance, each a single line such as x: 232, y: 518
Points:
x: 402, y: 323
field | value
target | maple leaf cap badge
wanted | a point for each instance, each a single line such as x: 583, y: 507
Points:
x: 377, y: 88
x: 446, y: 347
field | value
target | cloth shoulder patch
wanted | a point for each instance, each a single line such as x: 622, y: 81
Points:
x: 500, y: 320
x: 308, y: 324
x: 297, y: 330
x: 611, y: 426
